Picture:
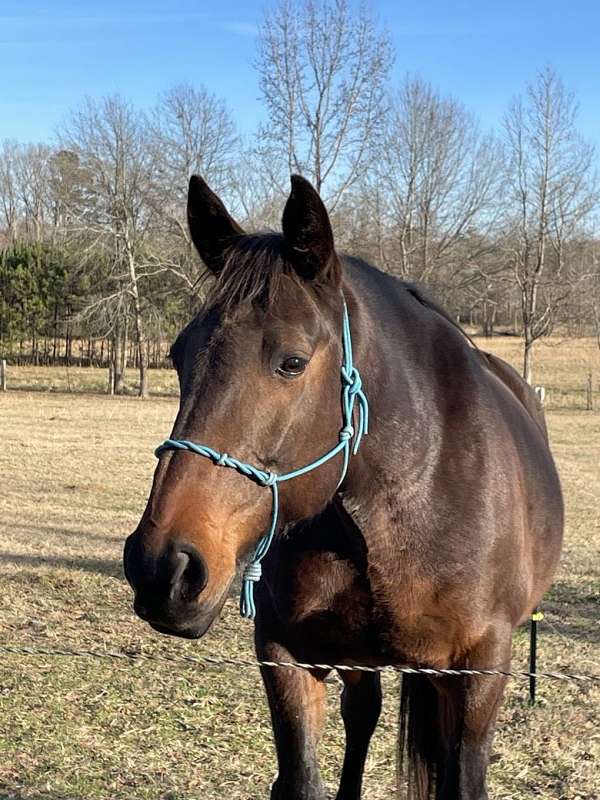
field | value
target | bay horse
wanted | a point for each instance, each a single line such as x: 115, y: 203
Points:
x: 441, y: 538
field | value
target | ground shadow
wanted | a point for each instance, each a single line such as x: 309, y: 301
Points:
x: 575, y: 630
x: 109, y: 567
x: 58, y: 531
x: 568, y: 600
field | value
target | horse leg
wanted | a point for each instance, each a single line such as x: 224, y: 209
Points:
x: 297, y: 703
x: 361, y: 706
x: 468, y: 711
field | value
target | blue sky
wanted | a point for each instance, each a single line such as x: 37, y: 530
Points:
x: 53, y: 52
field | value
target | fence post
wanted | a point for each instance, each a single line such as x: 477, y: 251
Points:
x: 541, y: 394
x: 3, y: 375
x: 536, y: 617
x: 590, y: 395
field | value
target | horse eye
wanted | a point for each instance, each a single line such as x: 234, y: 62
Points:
x: 292, y: 366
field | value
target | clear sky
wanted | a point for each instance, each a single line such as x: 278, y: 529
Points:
x: 53, y: 52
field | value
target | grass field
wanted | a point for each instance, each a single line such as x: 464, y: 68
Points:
x: 75, y: 470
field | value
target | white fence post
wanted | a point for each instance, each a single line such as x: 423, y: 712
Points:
x: 541, y: 393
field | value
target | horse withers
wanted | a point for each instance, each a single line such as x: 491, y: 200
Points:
x: 441, y: 538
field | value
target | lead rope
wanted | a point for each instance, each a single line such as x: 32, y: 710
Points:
x: 352, y: 392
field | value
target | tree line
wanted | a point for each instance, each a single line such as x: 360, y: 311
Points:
x: 96, y: 263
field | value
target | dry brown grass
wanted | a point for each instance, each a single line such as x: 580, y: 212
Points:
x: 78, y: 380
x: 75, y: 471
x: 561, y: 365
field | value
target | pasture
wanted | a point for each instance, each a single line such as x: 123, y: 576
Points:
x: 75, y: 470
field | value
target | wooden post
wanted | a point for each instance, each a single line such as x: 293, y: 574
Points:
x: 3, y: 375
x: 590, y: 394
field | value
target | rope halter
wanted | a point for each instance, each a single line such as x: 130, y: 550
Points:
x: 349, y: 439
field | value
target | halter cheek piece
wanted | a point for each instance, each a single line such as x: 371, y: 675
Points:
x: 349, y: 442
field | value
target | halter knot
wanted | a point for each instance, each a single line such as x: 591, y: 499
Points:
x: 352, y: 379
x: 346, y: 433
x: 269, y: 478
x: 253, y: 572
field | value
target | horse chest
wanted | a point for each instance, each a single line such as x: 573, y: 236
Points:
x: 333, y: 611
x: 323, y: 601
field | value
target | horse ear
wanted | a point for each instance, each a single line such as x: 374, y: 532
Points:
x: 307, y: 233
x: 212, y: 229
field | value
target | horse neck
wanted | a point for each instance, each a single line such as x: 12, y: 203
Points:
x: 389, y: 348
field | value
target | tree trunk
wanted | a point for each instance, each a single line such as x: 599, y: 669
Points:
x: 139, y: 329
x: 117, y: 349
x: 55, y: 334
x: 68, y: 337
x: 528, y: 360
x: 124, y: 348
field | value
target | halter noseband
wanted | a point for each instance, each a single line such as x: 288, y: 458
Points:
x: 351, y: 392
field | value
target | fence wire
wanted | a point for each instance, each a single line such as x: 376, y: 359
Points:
x: 215, y: 661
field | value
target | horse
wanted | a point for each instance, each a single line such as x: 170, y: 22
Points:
x: 425, y: 546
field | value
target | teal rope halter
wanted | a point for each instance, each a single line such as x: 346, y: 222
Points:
x: 349, y: 442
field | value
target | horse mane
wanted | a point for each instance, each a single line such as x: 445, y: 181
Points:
x: 253, y: 268
x: 420, y: 296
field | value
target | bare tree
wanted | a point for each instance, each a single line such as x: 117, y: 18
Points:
x: 591, y: 298
x: 191, y: 131
x: 322, y: 76
x: 552, y: 191
x: 9, y: 192
x: 255, y: 200
x: 30, y: 190
x: 32, y: 172
x: 439, y: 177
x: 108, y: 139
x: 67, y: 185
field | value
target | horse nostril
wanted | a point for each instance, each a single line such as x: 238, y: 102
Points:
x: 181, y: 562
x: 189, y: 575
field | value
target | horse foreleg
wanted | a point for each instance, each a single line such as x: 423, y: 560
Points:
x: 297, y: 702
x: 361, y: 706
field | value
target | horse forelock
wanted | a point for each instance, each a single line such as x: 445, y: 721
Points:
x: 252, y: 272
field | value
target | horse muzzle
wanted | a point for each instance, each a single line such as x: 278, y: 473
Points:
x: 168, y: 586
